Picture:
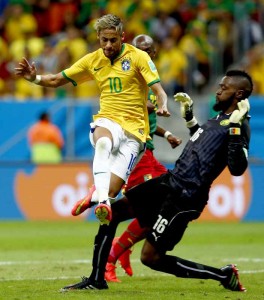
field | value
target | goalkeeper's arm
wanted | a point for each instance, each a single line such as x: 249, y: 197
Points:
x: 238, y: 139
x: 187, y: 111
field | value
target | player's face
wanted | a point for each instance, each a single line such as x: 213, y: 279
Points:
x: 225, y: 95
x: 111, y: 42
x: 149, y: 49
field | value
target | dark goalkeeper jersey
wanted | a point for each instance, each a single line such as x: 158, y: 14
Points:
x: 209, y: 150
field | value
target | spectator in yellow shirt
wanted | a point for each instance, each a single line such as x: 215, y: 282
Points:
x: 172, y: 64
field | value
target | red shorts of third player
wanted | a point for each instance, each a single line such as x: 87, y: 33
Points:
x: 148, y: 167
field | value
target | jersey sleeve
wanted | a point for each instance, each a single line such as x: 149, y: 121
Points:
x: 79, y: 72
x: 147, y: 68
x: 238, y: 145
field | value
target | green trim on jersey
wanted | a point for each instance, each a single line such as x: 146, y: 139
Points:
x: 72, y: 81
x: 153, y: 82
x: 123, y: 86
x: 119, y: 54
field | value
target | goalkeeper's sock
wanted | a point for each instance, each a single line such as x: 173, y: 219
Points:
x: 102, y: 245
x: 186, y: 269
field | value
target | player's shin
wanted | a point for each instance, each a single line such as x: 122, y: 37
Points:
x: 185, y: 268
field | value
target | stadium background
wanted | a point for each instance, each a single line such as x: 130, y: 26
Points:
x: 221, y: 35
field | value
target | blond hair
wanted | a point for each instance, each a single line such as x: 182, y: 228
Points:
x: 108, y: 22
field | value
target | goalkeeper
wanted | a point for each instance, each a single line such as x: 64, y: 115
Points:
x: 166, y: 204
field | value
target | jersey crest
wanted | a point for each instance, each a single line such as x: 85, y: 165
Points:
x: 147, y: 177
x: 125, y: 63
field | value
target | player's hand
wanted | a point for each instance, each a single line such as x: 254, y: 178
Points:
x: 174, y: 141
x: 163, y: 111
x: 239, y: 114
x: 186, y: 105
x: 26, y: 70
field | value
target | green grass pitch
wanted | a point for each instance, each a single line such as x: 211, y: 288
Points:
x: 38, y: 258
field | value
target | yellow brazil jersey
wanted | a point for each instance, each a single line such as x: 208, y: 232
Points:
x: 123, y: 85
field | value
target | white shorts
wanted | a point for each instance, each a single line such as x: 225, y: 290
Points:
x: 127, y: 149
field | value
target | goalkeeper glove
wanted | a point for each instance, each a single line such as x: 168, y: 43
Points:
x: 239, y: 114
x: 186, y: 108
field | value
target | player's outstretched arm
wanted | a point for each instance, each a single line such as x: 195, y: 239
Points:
x: 239, y: 114
x: 26, y: 70
x: 187, y: 111
x: 173, y: 140
x: 161, y: 96
x: 29, y: 72
x: 186, y: 108
x: 238, y: 141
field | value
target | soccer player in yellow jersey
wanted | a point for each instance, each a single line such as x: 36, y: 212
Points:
x: 120, y: 129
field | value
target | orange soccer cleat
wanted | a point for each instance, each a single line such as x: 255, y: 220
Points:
x: 110, y: 273
x: 84, y: 203
x: 124, y: 261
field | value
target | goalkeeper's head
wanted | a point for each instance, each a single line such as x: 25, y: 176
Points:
x: 235, y: 86
x: 243, y: 81
x: 145, y: 43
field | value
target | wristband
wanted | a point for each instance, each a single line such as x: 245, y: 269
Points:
x: 191, y: 123
x: 37, y: 79
x: 166, y: 134
x: 234, y: 131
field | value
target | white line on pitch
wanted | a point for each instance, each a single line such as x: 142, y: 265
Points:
x: 38, y: 262
x: 84, y: 261
x: 245, y: 259
x: 121, y: 275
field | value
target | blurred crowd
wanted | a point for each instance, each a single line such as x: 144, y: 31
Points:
x: 196, y: 40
